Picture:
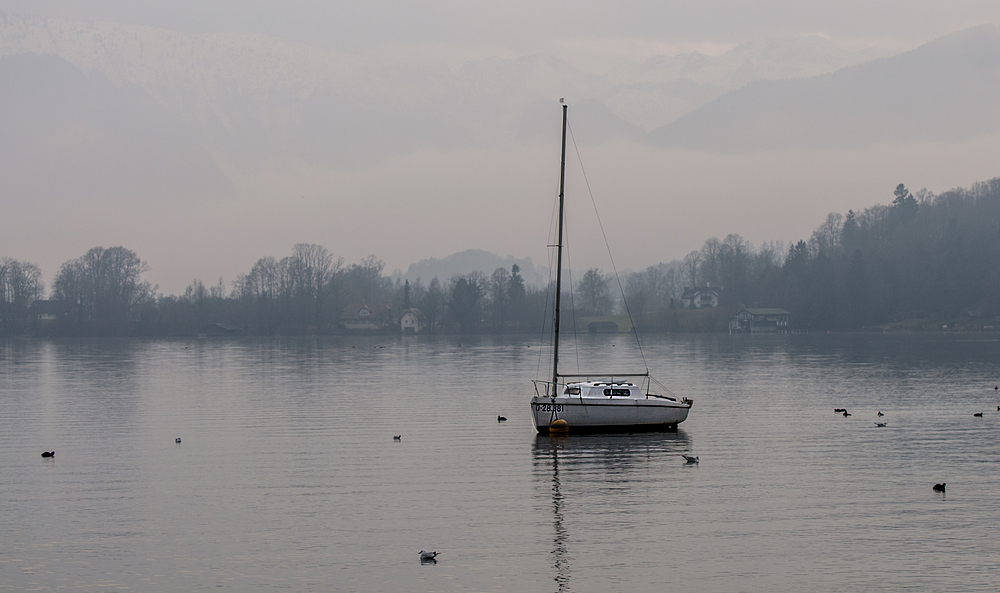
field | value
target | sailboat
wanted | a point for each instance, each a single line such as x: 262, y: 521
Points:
x: 597, y: 402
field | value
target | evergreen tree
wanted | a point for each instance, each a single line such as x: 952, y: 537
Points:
x: 904, y: 204
x: 849, y: 234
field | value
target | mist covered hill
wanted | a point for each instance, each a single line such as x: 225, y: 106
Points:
x: 203, y: 151
x: 943, y: 90
x: 473, y: 260
x: 181, y: 106
x: 251, y: 95
x: 67, y: 135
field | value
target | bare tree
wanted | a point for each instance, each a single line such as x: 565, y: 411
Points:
x: 104, y: 288
x: 828, y: 236
x: 197, y: 296
x: 219, y: 290
x: 20, y: 286
x: 637, y: 295
x: 365, y: 282
x: 769, y: 254
x: 691, y: 268
x: 661, y: 279
x: 261, y: 293
x: 314, y: 270
x: 875, y: 223
x: 711, y: 253
x: 594, y: 292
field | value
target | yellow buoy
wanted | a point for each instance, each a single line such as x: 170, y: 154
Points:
x: 559, y: 425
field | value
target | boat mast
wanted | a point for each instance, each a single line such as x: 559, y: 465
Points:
x: 559, y: 248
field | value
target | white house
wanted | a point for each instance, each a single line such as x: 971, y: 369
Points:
x: 411, y: 321
x: 700, y: 297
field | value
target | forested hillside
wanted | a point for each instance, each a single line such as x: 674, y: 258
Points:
x: 923, y: 261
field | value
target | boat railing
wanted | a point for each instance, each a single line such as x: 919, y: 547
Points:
x: 604, y: 376
x: 543, y: 388
x: 663, y: 388
x: 545, y: 385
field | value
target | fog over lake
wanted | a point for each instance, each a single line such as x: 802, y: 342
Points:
x: 205, y: 136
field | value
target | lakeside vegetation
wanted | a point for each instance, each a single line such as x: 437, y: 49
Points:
x: 922, y: 262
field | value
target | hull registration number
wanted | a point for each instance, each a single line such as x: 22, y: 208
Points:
x: 549, y: 407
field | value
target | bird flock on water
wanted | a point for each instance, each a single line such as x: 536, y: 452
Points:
x: 843, y: 411
x: 430, y: 557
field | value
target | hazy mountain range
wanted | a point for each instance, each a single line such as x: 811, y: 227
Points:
x: 158, y: 96
x: 472, y: 260
x: 205, y: 152
x: 944, y: 90
x: 251, y: 95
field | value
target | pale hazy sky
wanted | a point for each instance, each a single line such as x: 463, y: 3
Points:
x: 519, y: 27
x: 430, y: 203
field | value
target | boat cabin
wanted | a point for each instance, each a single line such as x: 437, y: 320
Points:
x: 603, y: 389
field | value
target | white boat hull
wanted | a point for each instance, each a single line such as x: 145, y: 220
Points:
x: 595, y: 414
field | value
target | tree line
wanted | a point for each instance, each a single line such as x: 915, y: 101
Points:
x: 103, y: 293
x: 921, y: 261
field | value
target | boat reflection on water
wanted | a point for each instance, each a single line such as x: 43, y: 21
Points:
x: 587, y: 465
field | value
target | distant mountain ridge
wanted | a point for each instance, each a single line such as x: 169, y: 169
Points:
x: 944, y: 90
x: 472, y: 260
x: 66, y: 135
x: 244, y: 91
x: 664, y: 88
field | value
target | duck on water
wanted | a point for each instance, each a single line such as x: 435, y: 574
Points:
x: 600, y: 401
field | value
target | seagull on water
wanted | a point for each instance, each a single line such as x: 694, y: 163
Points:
x: 880, y: 424
x: 48, y: 453
x: 501, y: 418
x: 846, y: 413
x: 839, y: 410
x: 177, y: 440
x: 397, y: 437
x: 690, y: 458
x: 425, y: 555
x: 938, y: 487
x: 978, y: 415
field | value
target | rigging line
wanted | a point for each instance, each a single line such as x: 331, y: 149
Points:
x: 548, y: 287
x: 607, y: 246
x: 541, y: 338
x: 572, y: 303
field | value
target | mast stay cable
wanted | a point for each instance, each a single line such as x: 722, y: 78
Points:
x: 607, y: 246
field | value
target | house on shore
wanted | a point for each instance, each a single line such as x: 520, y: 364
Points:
x: 759, y: 321
x: 411, y: 321
x: 700, y: 297
x: 366, y: 317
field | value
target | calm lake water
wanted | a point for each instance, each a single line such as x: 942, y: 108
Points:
x: 288, y: 477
